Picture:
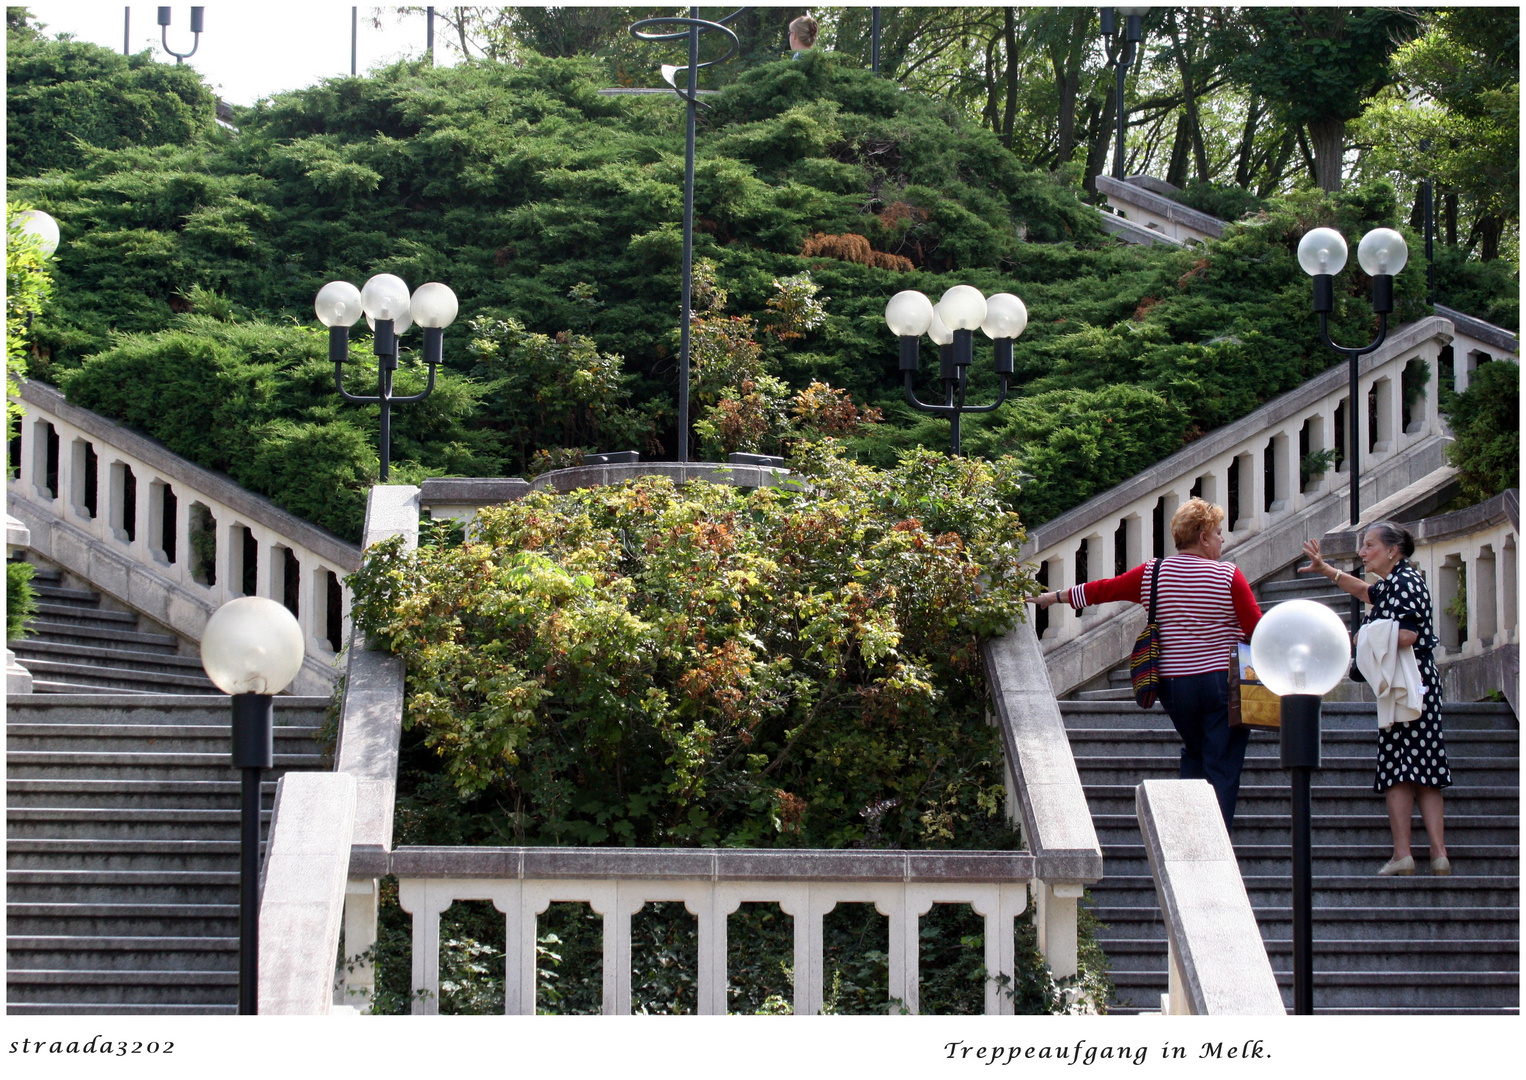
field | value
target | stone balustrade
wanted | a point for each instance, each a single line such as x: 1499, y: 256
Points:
x: 1252, y: 467
x: 711, y: 883
x: 168, y: 538
x: 1468, y: 558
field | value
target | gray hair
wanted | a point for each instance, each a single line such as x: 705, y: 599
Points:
x: 1392, y: 534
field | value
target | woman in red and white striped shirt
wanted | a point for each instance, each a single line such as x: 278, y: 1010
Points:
x: 1204, y: 608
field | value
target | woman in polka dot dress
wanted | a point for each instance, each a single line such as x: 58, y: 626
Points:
x: 1412, y: 757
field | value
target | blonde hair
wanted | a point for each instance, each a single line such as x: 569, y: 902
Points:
x: 803, y: 28
x: 1194, y: 518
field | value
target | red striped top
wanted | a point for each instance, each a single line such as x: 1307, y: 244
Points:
x: 1204, y: 607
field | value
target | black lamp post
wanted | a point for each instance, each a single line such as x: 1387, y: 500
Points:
x: 690, y: 94
x: 952, y: 326
x: 1427, y: 194
x: 390, y: 311
x: 1382, y: 253
x: 252, y: 649
x: 164, y: 33
x: 1120, y: 54
x: 1300, y: 652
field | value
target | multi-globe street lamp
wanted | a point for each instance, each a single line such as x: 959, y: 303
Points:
x: 1382, y: 253
x: 951, y: 325
x: 1120, y: 55
x: 251, y: 649
x: 164, y: 33
x: 390, y: 311
x: 1300, y: 651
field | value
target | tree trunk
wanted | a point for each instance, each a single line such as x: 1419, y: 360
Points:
x: 1176, y: 172
x: 1009, y: 115
x: 1248, y: 144
x: 1327, y: 138
x: 1449, y: 215
x: 1491, y: 228
x: 1101, y: 142
x: 1067, y: 63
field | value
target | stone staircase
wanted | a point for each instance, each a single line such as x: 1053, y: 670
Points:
x: 1381, y: 945
x: 79, y: 646
x: 122, y: 817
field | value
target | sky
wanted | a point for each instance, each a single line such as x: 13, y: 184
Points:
x: 252, y: 50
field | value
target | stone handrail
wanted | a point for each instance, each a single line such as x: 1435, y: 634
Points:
x: 1469, y: 553
x: 1046, y: 794
x: 1157, y: 211
x: 143, y: 550
x: 302, y: 892
x: 711, y: 883
x: 1275, y: 509
x: 1217, y: 962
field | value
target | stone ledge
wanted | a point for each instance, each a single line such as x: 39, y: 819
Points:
x: 1169, y: 209
x: 1502, y: 509
x: 708, y: 864
x: 257, y: 508
x: 1132, y: 231
x: 471, y: 491
x: 679, y: 472
x: 1488, y: 333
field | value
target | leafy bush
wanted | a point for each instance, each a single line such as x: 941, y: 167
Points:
x: 641, y: 664
x: 1224, y: 201
x: 20, y: 600
x: 1486, y: 423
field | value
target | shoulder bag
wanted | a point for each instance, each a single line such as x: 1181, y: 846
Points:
x: 1144, y: 661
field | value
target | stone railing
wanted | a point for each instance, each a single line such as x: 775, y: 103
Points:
x: 1147, y: 204
x: 1252, y: 468
x: 1044, y: 796
x: 711, y: 883
x: 1217, y: 962
x: 168, y: 538
x: 1468, y: 558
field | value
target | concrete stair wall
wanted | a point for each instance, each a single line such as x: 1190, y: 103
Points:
x: 122, y: 850
x: 1387, y: 945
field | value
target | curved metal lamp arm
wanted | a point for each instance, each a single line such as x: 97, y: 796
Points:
x: 959, y: 407
x: 345, y: 394
x: 701, y: 25
x: 1324, y: 332
x: 1002, y: 397
x: 428, y: 389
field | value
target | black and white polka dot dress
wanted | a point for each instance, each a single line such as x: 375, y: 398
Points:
x: 1413, y: 751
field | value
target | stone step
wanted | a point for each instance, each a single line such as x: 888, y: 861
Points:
x: 106, y: 678
x: 136, y: 659
x: 117, y: 920
x: 75, y: 615
x: 58, y: 594
x: 71, y: 634
x: 156, y: 709
x: 69, y: 792
x: 75, y: 1008
x: 119, y: 953
x: 127, y: 855
x: 179, y: 738
x: 122, y: 886
x: 27, y: 986
x: 115, y: 823
x: 1399, y: 990
x: 1488, y: 860
x: 1339, y: 954
x: 1350, y: 890
x: 1448, y: 923
x: 29, y: 764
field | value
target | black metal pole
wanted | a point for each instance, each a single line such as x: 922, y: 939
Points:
x: 1299, y: 752
x: 126, y: 28
x: 249, y: 893
x: 354, y: 36
x: 1427, y: 202
x: 429, y: 34
x: 683, y: 345
x: 1355, y: 464
x: 253, y: 752
x: 874, y: 40
x: 1118, y: 98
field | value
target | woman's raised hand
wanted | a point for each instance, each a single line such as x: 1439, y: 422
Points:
x: 1317, y: 563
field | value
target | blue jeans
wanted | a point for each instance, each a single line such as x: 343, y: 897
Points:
x: 1211, y: 749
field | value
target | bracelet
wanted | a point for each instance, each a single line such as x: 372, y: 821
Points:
x: 1336, y: 580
